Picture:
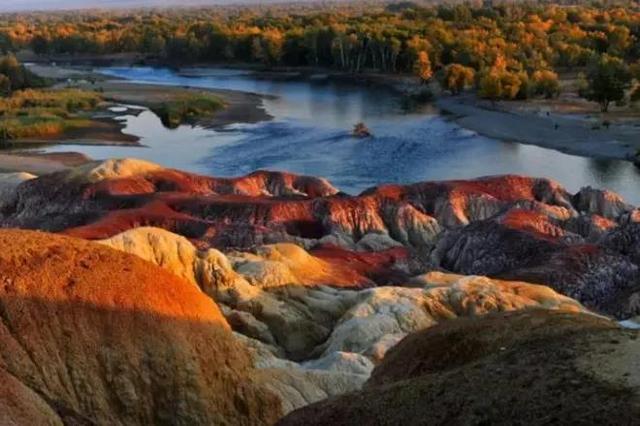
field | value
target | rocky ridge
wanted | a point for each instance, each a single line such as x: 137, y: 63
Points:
x: 318, y: 286
x: 509, y: 227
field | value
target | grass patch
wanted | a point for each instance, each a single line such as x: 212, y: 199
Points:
x: 45, y: 113
x: 187, y: 109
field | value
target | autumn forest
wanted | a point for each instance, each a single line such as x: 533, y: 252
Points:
x: 506, y: 52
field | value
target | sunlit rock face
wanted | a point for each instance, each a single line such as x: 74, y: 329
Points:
x: 382, y: 316
x: 464, y: 371
x: 313, y: 336
x: 89, y: 334
x: 270, y: 286
x: 285, y: 297
x: 511, y: 227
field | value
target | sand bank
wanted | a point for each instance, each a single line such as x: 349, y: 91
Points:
x: 572, y: 134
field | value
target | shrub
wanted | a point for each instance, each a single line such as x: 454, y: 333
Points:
x: 187, y: 109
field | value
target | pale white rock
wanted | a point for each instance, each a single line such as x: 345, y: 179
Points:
x: 249, y: 325
x: 97, y: 171
x: 295, y: 317
x: 378, y: 312
x: 410, y: 226
x: 298, y: 387
x: 377, y: 351
x: 304, y: 321
x: 380, y: 315
x: 342, y: 362
x: 265, y: 355
x: 161, y: 247
x: 266, y: 273
x: 295, y: 384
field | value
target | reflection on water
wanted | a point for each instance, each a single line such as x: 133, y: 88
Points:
x: 310, y: 134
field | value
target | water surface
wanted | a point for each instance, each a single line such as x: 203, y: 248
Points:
x: 309, y: 134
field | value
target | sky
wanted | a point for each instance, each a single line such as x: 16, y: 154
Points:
x: 21, y: 5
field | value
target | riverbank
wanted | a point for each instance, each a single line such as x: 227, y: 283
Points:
x: 38, y: 163
x: 571, y: 134
x: 240, y: 107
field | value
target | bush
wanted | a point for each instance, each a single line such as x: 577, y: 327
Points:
x: 44, y: 113
x: 187, y: 109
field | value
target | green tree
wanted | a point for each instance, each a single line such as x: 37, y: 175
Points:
x: 606, y: 81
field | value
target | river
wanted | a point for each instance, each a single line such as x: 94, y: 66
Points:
x: 309, y: 134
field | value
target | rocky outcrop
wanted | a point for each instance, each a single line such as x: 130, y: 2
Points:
x: 512, y: 227
x: 298, y: 385
x: 602, y: 203
x: 274, y: 294
x: 280, y: 296
x: 89, y: 334
x: 277, y: 295
x: 382, y: 316
x: 624, y: 239
x: 600, y: 276
x: 575, y: 370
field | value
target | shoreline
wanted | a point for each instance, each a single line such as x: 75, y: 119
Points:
x: 574, y: 135
x: 240, y: 107
x: 40, y: 163
x: 569, y: 133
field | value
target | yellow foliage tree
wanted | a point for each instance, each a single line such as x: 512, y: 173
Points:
x: 423, y: 66
x: 545, y: 83
x: 458, y: 77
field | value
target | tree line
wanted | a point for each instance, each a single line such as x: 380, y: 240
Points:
x: 511, y: 51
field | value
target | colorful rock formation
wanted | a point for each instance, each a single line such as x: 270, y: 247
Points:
x: 317, y: 286
x: 534, y: 367
x: 89, y: 334
x: 508, y: 227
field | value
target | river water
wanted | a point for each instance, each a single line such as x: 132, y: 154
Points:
x: 309, y: 134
